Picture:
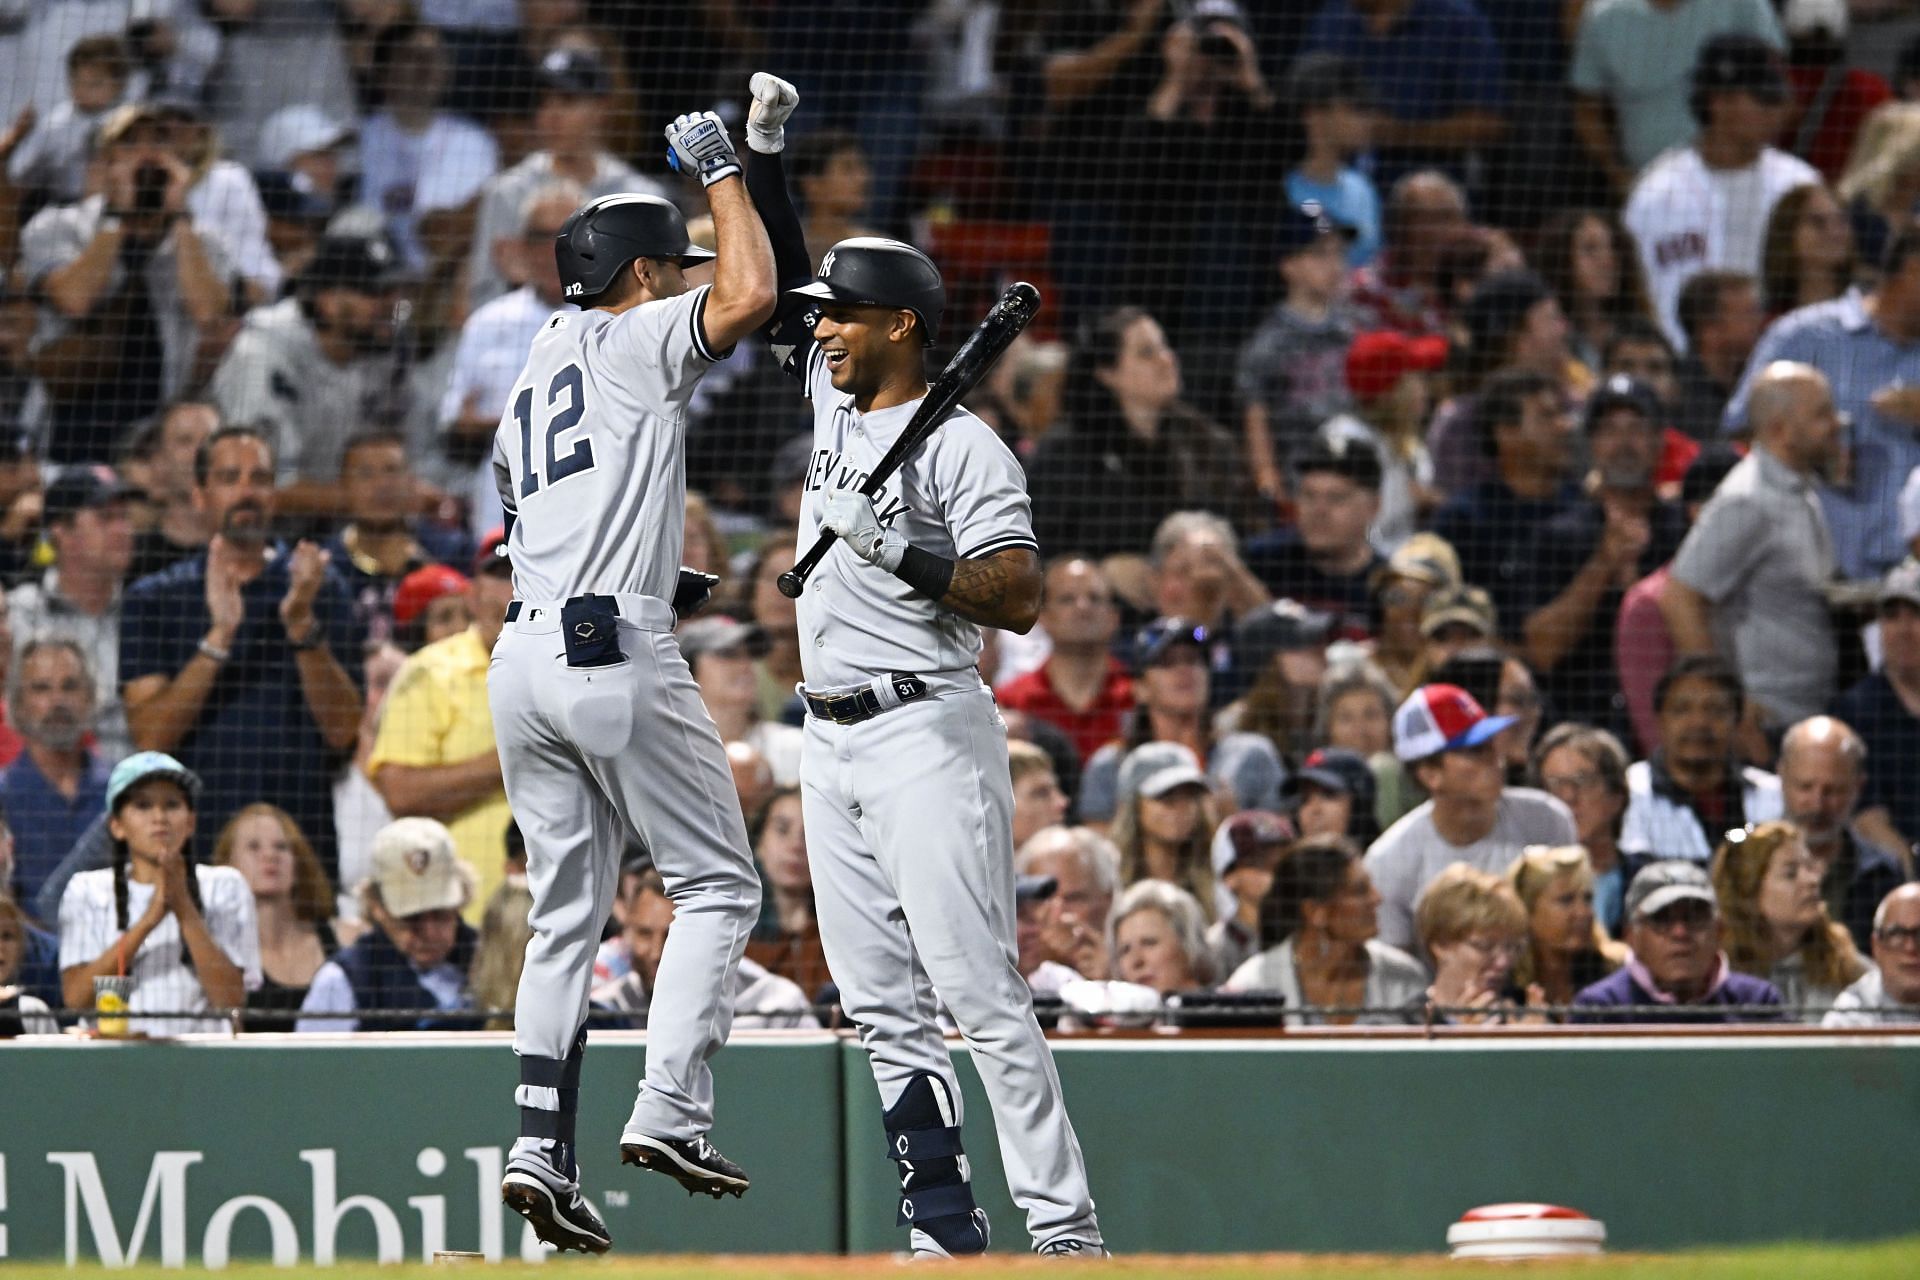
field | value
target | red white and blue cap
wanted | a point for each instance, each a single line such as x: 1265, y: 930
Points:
x: 1442, y: 717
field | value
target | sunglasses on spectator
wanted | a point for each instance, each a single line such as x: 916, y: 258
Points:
x: 1894, y: 935
x: 1490, y: 948
x: 1587, y: 780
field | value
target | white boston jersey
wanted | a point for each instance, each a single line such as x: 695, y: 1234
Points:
x: 962, y: 495
x: 589, y: 457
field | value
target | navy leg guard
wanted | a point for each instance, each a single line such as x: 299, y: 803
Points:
x: 562, y: 1075
x: 935, y: 1196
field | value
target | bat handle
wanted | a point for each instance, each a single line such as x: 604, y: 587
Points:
x: 794, y: 580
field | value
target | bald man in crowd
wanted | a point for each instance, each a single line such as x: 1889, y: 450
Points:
x: 1823, y: 769
x: 1749, y: 582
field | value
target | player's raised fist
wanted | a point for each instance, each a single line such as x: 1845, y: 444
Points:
x: 698, y: 143
x: 773, y: 101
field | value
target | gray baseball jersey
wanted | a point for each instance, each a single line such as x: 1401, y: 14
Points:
x: 589, y: 459
x: 961, y: 495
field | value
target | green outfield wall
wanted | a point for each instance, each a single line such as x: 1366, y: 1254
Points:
x: 196, y: 1153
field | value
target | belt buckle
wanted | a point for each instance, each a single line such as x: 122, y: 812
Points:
x: 851, y: 712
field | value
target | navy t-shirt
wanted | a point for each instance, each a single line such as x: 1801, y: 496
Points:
x: 1892, y: 735
x: 254, y: 739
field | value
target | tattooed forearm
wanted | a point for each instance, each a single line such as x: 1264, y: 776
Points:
x: 1002, y: 590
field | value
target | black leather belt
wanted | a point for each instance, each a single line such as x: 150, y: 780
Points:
x: 864, y: 704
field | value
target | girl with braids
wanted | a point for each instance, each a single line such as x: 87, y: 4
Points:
x: 184, y: 933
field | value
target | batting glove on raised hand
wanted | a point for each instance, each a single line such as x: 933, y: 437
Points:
x: 773, y: 101
x: 698, y: 143
x: 849, y: 514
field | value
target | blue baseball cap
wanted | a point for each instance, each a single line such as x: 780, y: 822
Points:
x: 1302, y: 226
x: 144, y: 765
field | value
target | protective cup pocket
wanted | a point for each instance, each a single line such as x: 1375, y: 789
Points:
x: 601, y: 722
x: 590, y: 628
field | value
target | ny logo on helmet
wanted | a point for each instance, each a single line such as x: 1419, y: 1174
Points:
x: 826, y: 264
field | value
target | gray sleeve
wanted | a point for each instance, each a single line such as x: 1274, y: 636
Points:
x: 1100, y: 786
x: 664, y: 345
x: 1391, y: 868
x: 983, y: 491
x: 1729, y: 541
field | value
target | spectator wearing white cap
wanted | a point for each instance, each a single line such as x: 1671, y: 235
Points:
x: 1675, y: 969
x: 417, y: 955
x: 1884, y: 709
x: 279, y: 54
x: 1318, y: 924
x: 1447, y: 742
x: 1246, y: 848
x: 308, y: 145
x: 1164, y: 824
x: 1889, y: 992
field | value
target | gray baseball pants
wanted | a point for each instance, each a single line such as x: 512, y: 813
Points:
x: 909, y: 820
x: 593, y: 757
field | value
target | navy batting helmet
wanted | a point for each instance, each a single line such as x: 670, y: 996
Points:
x: 603, y: 236
x: 875, y: 272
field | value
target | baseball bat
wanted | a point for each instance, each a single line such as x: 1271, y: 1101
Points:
x: 970, y: 363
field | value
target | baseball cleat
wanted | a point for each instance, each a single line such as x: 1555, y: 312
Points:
x: 560, y: 1215
x: 1078, y: 1250
x: 694, y: 1163
x: 955, y: 1238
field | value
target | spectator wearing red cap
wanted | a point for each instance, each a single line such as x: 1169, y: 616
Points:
x: 1447, y: 743
x: 1082, y: 689
x: 1387, y: 374
x: 434, y: 756
x: 429, y: 605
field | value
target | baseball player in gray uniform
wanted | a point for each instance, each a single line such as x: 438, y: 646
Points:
x: 904, y: 783
x: 601, y: 731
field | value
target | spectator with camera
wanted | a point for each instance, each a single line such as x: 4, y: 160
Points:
x: 1889, y: 992
x: 1322, y: 956
x: 1447, y: 742
x: 1777, y: 925
x: 130, y: 281
x: 435, y: 755
x: 240, y: 658
x: 58, y: 786
x: 1675, y: 970
x: 413, y: 962
x: 79, y: 596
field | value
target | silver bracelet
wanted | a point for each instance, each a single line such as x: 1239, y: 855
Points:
x: 217, y: 654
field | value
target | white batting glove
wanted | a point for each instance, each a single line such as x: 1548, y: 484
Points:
x: 849, y: 513
x: 773, y: 101
x: 698, y: 143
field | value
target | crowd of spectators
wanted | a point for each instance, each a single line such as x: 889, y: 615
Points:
x: 1474, y: 445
